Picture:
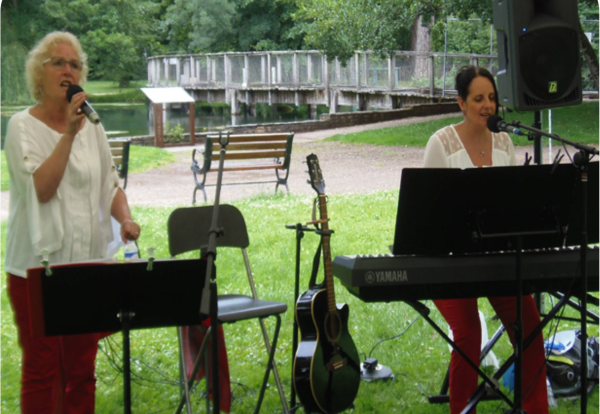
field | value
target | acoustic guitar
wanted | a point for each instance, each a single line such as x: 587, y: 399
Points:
x: 327, y: 366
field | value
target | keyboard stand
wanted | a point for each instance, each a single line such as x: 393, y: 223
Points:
x: 492, y: 382
x: 443, y: 396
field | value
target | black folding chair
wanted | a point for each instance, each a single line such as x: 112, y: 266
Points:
x: 188, y: 230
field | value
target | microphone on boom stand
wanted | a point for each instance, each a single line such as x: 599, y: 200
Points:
x: 495, y: 123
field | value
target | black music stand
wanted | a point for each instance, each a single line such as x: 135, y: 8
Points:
x: 444, y: 211
x: 440, y: 210
x: 99, y: 297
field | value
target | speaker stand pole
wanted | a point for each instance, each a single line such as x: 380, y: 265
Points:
x: 582, y: 159
x: 538, y: 159
x: 537, y: 139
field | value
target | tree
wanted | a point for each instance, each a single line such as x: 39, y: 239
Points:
x: 338, y: 27
x: 195, y: 26
x: 198, y: 26
x: 267, y: 25
x: 115, y: 34
x: 589, y: 10
x: 21, y: 23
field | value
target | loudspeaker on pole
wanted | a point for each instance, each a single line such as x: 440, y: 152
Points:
x: 539, y: 64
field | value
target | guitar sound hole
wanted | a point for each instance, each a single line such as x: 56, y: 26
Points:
x: 333, y: 326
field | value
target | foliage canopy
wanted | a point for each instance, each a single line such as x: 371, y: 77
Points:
x: 118, y: 35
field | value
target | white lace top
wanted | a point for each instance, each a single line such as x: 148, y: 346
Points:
x: 446, y: 150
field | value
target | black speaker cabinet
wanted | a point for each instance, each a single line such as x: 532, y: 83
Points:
x: 539, y: 65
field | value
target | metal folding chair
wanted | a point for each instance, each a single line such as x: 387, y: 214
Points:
x: 188, y: 230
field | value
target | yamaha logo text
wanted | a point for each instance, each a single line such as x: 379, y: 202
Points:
x: 386, y: 276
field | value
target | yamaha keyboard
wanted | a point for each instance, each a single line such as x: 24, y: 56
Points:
x: 387, y: 278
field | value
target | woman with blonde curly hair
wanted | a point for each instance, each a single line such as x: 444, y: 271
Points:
x: 63, y: 192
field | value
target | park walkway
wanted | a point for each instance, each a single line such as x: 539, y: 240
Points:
x: 347, y: 169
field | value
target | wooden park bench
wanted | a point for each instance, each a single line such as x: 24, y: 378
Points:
x: 119, y: 149
x: 243, y: 153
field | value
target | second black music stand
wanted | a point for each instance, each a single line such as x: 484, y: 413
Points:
x: 99, y: 297
x: 441, y: 211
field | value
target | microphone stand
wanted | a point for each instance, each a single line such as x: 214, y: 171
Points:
x: 209, y: 304
x: 536, y: 138
x: 538, y: 159
x: 581, y: 161
x: 581, y: 147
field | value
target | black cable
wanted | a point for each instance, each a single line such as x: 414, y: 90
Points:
x: 244, y: 387
x: 395, y: 336
x: 116, y: 363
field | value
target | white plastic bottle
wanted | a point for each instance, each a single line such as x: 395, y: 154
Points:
x: 551, y: 399
x: 130, y: 252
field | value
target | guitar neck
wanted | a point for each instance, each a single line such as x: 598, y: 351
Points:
x: 329, y: 285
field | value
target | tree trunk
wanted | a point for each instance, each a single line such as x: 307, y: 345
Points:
x: 590, y: 56
x: 421, y: 42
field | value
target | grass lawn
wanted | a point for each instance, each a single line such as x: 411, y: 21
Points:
x: 141, y: 159
x: 99, y: 87
x: 362, y: 224
x: 575, y: 123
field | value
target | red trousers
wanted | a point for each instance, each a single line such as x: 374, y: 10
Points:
x: 57, y: 373
x: 463, y: 317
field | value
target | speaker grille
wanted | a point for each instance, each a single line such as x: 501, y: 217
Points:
x: 574, y: 96
x: 549, y: 60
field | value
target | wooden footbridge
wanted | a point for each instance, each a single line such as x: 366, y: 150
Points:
x: 306, y: 77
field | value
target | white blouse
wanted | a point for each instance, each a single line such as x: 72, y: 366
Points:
x: 446, y: 150
x: 75, y: 224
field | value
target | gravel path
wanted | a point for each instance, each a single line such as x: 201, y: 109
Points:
x: 346, y: 168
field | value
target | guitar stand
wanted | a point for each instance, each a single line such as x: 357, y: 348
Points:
x: 300, y: 229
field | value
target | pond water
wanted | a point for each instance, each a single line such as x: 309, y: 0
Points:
x: 137, y: 119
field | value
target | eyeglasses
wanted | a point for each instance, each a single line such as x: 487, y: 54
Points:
x: 59, y: 64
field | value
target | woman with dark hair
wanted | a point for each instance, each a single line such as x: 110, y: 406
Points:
x: 63, y: 192
x: 470, y: 144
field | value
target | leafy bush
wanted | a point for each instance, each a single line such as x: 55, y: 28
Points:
x: 174, y: 135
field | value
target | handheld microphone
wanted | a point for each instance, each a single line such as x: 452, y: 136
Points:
x: 495, y: 123
x: 85, y: 107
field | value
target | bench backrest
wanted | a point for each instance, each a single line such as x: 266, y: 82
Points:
x: 119, y: 149
x: 251, y: 146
